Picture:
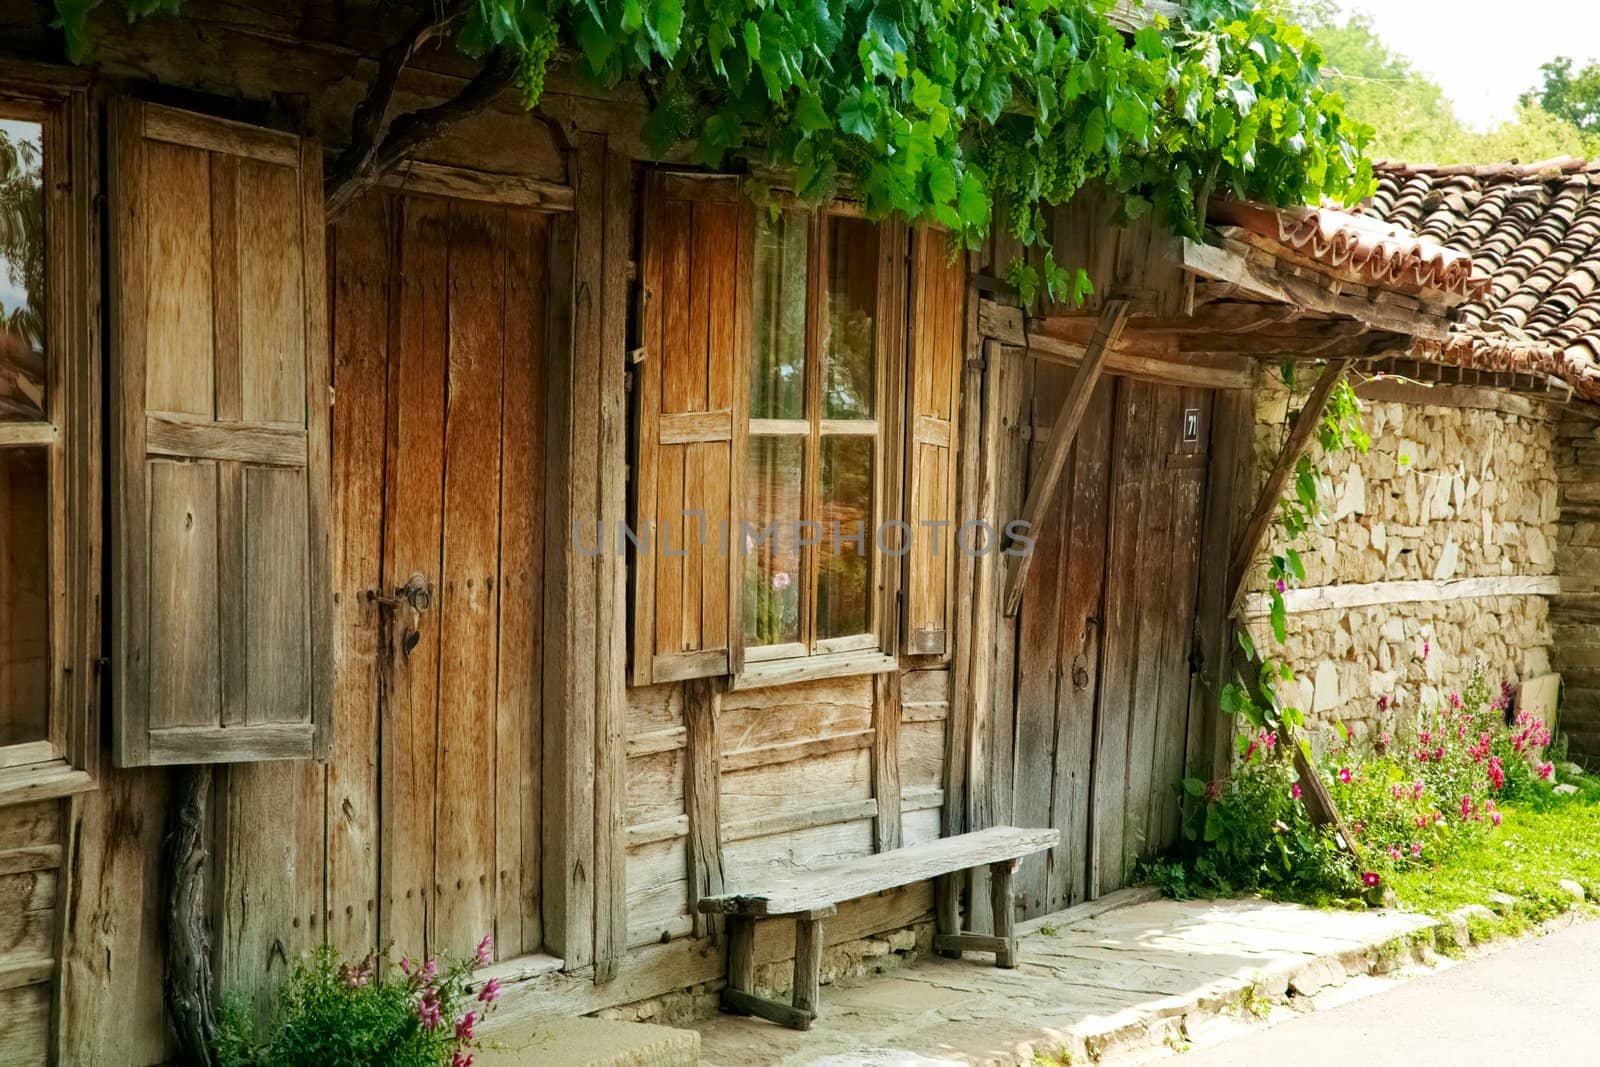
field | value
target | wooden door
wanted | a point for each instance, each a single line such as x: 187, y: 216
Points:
x: 439, y: 317
x: 1104, y: 637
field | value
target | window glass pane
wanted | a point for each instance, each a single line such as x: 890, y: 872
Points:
x: 24, y: 596
x: 844, y: 578
x: 774, y: 487
x: 777, y: 370
x: 21, y: 271
x: 849, y: 367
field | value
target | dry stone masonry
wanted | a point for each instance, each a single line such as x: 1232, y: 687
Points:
x: 1575, y: 614
x: 1444, y: 493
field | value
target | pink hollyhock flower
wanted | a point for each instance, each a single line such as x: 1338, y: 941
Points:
x: 1344, y: 775
x: 484, y: 948
x: 490, y: 991
x: 1370, y: 879
x: 1294, y: 791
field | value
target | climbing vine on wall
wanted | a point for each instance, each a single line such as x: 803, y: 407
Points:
x: 948, y: 110
x: 1263, y: 705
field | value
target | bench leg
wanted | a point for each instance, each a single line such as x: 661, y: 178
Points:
x: 1005, y: 912
x: 807, y: 968
x: 741, y: 957
x: 947, y: 910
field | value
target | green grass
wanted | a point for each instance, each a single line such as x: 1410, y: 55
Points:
x: 1543, y: 839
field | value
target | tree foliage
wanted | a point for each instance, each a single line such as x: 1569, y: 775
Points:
x: 1572, y: 96
x: 1412, y: 117
x: 946, y: 109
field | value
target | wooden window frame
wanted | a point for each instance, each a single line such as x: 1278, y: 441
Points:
x: 870, y: 652
x: 66, y: 761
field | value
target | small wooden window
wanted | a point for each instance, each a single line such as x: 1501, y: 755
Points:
x: 813, y: 507
x: 48, y: 392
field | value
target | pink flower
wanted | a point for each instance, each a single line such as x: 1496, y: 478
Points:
x: 1494, y: 817
x: 461, y: 1061
x: 1294, y: 791
x: 1370, y: 879
x: 1383, y: 704
x: 1547, y: 771
x: 1466, y: 806
x: 405, y: 964
x: 1282, y: 585
x: 1394, y: 853
x: 484, y: 948
x: 490, y: 991
x: 1344, y: 775
x: 464, y: 1027
x: 1416, y: 850
x: 428, y: 1012
x: 1426, y: 648
x: 1385, y: 738
x: 1455, y: 701
x: 1416, y: 790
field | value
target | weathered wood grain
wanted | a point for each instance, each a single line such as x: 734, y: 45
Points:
x: 826, y: 886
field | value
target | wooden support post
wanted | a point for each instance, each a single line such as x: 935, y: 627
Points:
x: 1065, y: 427
x: 1305, y: 426
x: 1001, y: 876
x: 807, y: 968
x: 947, y: 912
x: 886, y: 759
x: 701, y: 701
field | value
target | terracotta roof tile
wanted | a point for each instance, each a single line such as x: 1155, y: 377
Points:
x: 1533, y: 234
x: 1363, y: 248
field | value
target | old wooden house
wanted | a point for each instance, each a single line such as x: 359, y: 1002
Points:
x: 312, y: 513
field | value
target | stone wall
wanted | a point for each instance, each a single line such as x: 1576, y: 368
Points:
x: 1575, y: 614
x: 1444, y: 493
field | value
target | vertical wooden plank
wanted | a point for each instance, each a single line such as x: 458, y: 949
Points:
x: 886, y: 759
x: 413, y: 505
x: 318, y: 380
x: 270, y: 874
x: 1119, y: 662
x: 1001, y: 876
x: 1151, y: 602
x: 957, y: 748
x: 646, y: 456
x: 1228, y: 486
x: 701, y: 792
x: 226, y: 304
x: 464, y: 839
x: 272, y: 319
x: 518, y: 734
x: 107, y: 1012
x: 611, y: 755
x: 276, y: 575
x: 361, y: 255
x: 1038, y: 671
x: 185, y: 671
x: 569, y: 705
x: 1078, y: 652
x: 180, y: 374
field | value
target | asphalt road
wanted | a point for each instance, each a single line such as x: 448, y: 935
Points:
x: 1536, y: 1002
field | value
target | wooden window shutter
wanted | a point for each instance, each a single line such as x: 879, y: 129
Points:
x: 692, y: 399
x: 220, y: 454
x: 937, y: 343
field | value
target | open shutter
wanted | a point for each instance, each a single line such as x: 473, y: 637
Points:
x: 220, y: 395
x: 694, y: 333
x: 937, y: 337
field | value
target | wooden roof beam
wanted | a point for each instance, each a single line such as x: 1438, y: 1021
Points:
x: 1062, y: 431
x: 1254, y: 279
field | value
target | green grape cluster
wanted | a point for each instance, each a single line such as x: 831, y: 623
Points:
x: 534, y: 61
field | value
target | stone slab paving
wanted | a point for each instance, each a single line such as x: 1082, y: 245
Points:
x: 1092, y: 982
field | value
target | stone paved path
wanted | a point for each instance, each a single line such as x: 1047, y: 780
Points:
x: 1093, y: 985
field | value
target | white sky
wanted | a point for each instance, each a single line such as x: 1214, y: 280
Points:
x: 1485, y: 53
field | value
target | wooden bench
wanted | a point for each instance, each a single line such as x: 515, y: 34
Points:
x: 814, y: 896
